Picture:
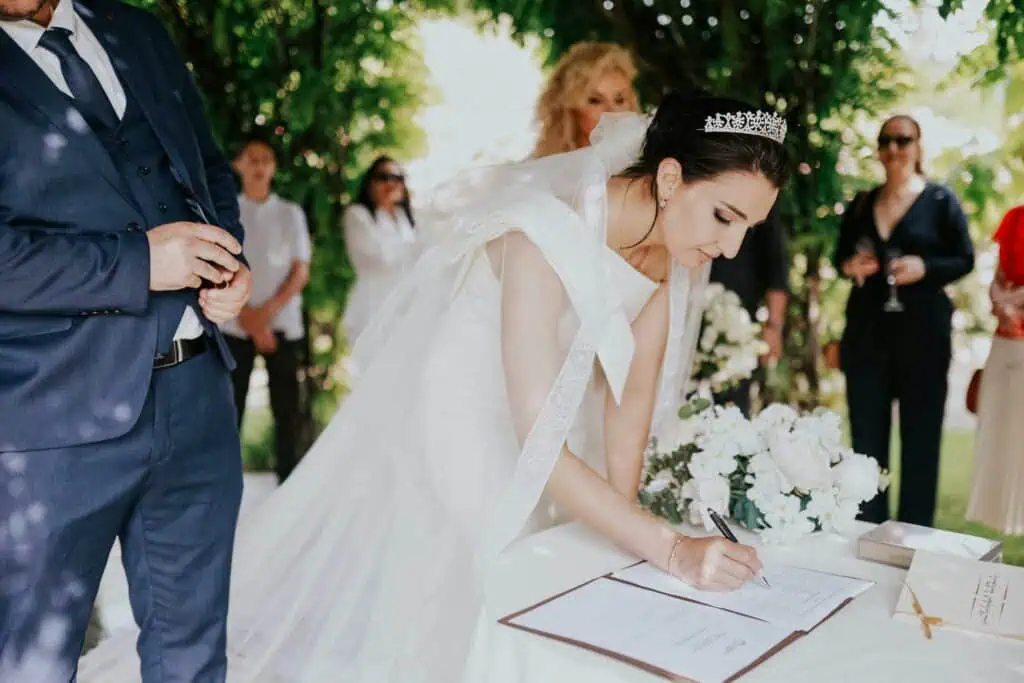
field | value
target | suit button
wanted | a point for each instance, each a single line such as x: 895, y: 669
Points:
x: 162, y: 206
x: 133, y: 227
x: 122, y: 141
x: 143, y: 170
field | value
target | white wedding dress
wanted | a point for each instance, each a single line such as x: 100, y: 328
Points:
x: 367, y: 566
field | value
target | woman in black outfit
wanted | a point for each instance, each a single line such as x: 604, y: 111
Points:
x: 901, y: 243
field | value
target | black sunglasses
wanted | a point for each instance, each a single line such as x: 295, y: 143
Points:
x: 900, y: 140
x: 385, y: 177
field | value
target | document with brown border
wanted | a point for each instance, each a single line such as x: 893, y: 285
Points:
x: 667, y: 636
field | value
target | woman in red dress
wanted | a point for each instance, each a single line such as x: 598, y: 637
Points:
x: 997, y: 492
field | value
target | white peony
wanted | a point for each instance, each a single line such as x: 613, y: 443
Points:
x: 803, y: 463
x: 725, y: 431
x: 823, y: 506
x: 781, y: 510
x: 705, y: 465
x: 845, y: 515
x: 767, y: 481
x: 712, y: 291
x: 775, y: 416
x: 662, y: 480
x: 825, y: 424
x: 680, y: 433
x: 714, y: 494
x: 730, y: 344
x: 787, y: 533
x: 707, y: 493
x: 858, y: 477
x: 797, y: 471
x: 708, y: 338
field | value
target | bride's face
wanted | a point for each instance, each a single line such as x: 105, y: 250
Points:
x: 709, y: 218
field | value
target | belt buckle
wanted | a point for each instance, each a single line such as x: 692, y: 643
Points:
x: 170, y: 359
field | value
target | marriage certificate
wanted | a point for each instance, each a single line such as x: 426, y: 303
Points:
x: 799, y: 599
x: 676, y: 639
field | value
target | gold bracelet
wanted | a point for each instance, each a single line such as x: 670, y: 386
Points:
x: 672, y: 554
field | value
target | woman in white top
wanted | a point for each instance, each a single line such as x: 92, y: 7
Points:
x: 381, y: 241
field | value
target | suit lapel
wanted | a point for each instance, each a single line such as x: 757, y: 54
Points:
x: 137, y: 74
x: 30, y: 88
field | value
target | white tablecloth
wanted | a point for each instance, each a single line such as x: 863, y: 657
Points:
x: 862, y: 642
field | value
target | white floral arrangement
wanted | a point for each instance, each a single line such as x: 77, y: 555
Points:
x: 730, y: 344
x: 781, y: 474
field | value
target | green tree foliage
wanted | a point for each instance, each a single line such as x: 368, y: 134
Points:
x: 334, y: 84
x: 821, y: 63
x: 1007, y: 46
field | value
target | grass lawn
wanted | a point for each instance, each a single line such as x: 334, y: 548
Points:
x: 954, y: 490
x: 954, y: 481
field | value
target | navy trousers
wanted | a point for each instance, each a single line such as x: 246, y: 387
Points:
x: 170, y: 489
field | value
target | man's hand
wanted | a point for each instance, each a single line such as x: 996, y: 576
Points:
x: 772, y: 336
x: 182, y: 254
x: 221, y: 305
x: 907, y: 269
x: 264, y: 340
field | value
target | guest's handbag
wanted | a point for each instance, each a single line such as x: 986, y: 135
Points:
x: 973, y: 387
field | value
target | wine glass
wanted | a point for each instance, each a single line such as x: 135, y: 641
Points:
x: 893, y: 304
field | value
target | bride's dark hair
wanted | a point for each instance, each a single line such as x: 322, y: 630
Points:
x: 677, y: 132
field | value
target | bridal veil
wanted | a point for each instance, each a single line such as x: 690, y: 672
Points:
x: 367, y: 565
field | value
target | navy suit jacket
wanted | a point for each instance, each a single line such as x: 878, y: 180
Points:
x: 76, y: 338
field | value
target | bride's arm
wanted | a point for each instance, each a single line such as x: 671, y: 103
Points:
x: 533, y: 302
x: 609, y: 506
x: 627, y: 424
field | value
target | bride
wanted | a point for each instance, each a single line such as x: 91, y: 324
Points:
x: 511, y: 382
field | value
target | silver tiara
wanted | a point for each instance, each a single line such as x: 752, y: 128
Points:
x: 765, y: 124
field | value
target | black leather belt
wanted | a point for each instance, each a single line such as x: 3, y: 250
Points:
x: 181, y: 351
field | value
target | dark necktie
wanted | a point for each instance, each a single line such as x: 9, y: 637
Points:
x: 90, y: 99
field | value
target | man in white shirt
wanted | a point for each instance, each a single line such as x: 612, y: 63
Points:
x: 278, y: 249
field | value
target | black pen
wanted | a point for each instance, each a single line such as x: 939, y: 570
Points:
x: 727, y: 532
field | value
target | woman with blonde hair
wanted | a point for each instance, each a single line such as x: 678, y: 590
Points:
x: 589, y: 80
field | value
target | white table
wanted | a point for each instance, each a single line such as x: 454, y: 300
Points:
x: 862, y: 642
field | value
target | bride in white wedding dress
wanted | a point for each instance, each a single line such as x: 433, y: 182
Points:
x: 511, y: 382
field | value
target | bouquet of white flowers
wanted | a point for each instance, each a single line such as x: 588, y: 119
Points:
x: 781, y: 474
x: 730, y: 343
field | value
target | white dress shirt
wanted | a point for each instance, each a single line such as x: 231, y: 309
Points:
x: 27, y: 34
x: 276, y: 236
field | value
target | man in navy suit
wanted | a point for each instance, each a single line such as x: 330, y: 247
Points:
x: 116, y: 409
